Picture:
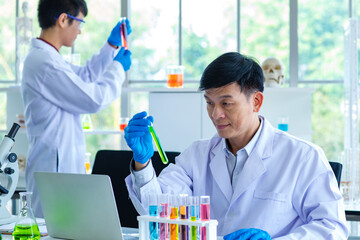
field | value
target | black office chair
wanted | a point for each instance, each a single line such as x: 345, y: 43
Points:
x: 337, y: 169
x: 116, y: 163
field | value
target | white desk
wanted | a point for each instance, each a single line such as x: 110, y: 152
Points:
x: 129, y: 234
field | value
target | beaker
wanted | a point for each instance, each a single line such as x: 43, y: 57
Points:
x: 26, y: 226
x: 123, y: 122
x: 86, y: 122
x: 175, y: 76
x: 283, y: 123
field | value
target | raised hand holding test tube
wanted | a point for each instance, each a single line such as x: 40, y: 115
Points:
x: 139, y: 135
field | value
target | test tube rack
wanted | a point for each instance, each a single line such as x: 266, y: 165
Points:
x: 211, y: 225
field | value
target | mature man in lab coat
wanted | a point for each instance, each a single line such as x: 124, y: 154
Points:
x: 56, y: 93
x: 263, y: 182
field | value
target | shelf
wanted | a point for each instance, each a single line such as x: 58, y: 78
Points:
x: 102, y: 132
x: 87, y: 132
x: 160, y: 90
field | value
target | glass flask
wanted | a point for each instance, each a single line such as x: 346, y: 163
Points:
x: 86, y: 122
x: 26, y: 227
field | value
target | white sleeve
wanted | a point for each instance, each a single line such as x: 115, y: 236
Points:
x: 96, y: 65
x: 139, y: 184
x: 62, y: 87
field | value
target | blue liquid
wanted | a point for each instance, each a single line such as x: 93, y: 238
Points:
x: 153, y: 226
x: 283, y: 126
x: 195, y: 215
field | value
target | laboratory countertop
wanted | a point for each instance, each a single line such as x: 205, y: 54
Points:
x: 128, y: 234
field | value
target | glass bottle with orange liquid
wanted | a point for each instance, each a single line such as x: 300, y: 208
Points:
x: 175, y: 76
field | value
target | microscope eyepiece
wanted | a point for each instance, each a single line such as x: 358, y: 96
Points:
x: 14, y: 129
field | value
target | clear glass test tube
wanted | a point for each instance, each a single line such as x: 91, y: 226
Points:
x: 204, y: 213
x: 184, y: 214
x: 164, y: 213
x: 194, y: 213
x: 162, y: 153
x: 153, y: 211
x: 174, y: 214
x: 124, y: 34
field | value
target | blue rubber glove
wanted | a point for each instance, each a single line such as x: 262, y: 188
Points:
x: 138, y: 137
x: 115, y: 35
x: 248, y: 234
x: 124, y: 57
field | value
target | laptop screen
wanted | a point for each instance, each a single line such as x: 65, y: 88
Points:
x: 78, y: 206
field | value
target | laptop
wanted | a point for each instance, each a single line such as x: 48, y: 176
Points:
x: 79, y: 206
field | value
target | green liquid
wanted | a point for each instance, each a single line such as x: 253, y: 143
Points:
x: 158, y: 145
x: 86, y: 125
x: 26, y: 232
x: 193, y: 230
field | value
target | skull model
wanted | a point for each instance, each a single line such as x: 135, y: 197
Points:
x: 273, y: 72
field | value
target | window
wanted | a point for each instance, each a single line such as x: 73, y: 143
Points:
x: 321, y: 39
x: 265, y: 31
x: 181, y: 32
x: 7, y: 41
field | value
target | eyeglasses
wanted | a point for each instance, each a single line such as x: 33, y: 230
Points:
x: 77, y: 19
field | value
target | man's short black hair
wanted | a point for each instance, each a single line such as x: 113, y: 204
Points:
x: 50, y: 10
x: 233, y: 67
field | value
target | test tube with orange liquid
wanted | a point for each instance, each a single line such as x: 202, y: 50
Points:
x: 175, y: 76
x: 124, y: 34
x: 184, y: 214
x: 174, y: 214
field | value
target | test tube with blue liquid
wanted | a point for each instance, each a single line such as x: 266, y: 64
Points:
x: 153, y: 211
x: 174, y: 214
x: 194, y: 215
x: 164, y: 213
x: 184, y: 215
x: 204, y: 213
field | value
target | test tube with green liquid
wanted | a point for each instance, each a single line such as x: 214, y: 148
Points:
x: 158, y: 145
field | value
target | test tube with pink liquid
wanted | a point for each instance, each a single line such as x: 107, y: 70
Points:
x: 204, y: 213
x: 164, y: 213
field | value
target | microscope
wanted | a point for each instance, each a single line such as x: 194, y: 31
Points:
x: 9, y: 174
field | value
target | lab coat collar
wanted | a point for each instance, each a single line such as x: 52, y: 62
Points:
x: 255, y: 166
x: 38, y: 43
x: 218, y: 168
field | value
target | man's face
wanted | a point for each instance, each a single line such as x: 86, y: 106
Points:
x: 72, y: 30
x: 231, y: 111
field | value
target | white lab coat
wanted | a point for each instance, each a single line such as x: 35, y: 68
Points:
x: 286, y: 187
x: 55, y: 93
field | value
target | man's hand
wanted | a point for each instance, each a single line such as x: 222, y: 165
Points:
x: 115, y: 35
x: 248, y: 234
x: 138, y: 137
